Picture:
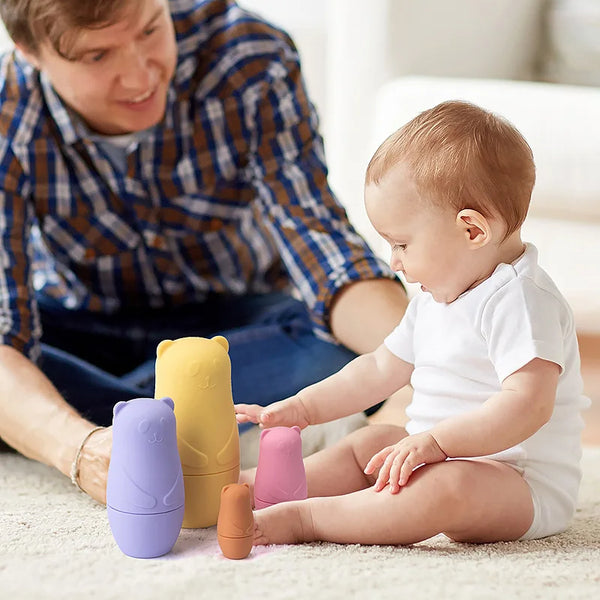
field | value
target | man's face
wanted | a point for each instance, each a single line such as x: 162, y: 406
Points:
x: 116, y: 78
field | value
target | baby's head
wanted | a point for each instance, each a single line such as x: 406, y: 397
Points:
x: 449, y: 191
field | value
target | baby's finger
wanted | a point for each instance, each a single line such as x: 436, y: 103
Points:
x: 240, y: 418
x: 395, y: 471
x: 407, y: 468
x: 384, y: 473
x: 377, y: 460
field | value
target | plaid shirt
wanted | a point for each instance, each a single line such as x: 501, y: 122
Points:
x: 228, y: 194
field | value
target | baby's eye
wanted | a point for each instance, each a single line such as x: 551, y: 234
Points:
x: 397, y: 247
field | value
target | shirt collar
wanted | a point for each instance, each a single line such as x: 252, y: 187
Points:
x: 67, y: 126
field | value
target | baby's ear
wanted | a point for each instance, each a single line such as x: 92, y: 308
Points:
x: 160, y: 349
x: 169, y: 402
x: 476, y: 228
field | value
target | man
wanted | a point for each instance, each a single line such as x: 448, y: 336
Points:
x: 161, y: 175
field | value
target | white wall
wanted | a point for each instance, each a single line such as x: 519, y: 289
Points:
x: 5, y: 41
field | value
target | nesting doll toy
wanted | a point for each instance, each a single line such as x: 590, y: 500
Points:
x: 144, y: 489
x: 196, y: 373
x: 235, y: 526
x: 280, y: 475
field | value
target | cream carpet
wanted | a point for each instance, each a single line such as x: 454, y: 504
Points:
x: 56, y: 543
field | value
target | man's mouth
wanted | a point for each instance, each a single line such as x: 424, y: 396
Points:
x: 141, y: 98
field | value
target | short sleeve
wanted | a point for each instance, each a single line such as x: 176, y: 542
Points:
x: 520, y: 322
x: 401, y: 341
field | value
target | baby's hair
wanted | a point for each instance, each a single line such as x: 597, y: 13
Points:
x: 462, y: 156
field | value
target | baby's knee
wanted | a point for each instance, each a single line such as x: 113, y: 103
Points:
x: 369, y: 440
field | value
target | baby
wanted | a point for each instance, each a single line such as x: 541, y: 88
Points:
x: 492, y: 448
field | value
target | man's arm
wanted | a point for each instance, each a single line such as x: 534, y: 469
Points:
x: 38, y: 423
x: 365, y: 312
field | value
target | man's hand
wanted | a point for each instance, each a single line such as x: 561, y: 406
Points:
x: 286, y: 413
x: 396, y: 463
x: 93, y: 464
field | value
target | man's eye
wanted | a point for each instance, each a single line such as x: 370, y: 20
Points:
x: 98, y: 56
x: 149, y: 31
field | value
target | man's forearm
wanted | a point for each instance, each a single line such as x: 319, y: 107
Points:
x: 34, y: 418
x: 365, y: 312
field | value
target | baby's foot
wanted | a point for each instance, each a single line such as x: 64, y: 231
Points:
x: 284, y: 523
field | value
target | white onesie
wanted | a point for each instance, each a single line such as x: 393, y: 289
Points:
x: 462, y: 352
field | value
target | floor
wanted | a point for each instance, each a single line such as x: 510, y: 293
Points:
x: 589, y: 347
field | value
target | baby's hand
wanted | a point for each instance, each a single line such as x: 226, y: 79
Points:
x: 397, y: 462
x: 286, y: 413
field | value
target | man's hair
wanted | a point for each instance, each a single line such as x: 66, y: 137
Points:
x: 30, y: 22
x: 462, y: 156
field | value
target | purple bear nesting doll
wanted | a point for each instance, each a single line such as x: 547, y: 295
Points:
x: 280, y: 475
x: 144, y: 490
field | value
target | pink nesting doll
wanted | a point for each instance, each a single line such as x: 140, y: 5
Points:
x: 280, y: 475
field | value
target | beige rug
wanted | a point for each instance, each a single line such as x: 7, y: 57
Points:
x: 56, y: 543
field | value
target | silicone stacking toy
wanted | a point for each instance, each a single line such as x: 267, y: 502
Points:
x: 144, y: 490
x: 196, y: 373
x: 280, y: 475
x: 235, y: 526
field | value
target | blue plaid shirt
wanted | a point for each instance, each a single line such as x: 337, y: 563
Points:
x: 228, y: 194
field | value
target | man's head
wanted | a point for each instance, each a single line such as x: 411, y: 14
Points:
x: 110, y: 60
x: 454, y: 179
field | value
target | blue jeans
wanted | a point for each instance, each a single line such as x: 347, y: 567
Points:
x: 97, y: 360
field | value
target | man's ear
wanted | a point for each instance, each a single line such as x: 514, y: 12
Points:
x: 475, y: 226
x: 30, y: 56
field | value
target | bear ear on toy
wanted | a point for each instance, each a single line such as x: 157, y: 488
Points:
x: 221, y: 341
x: 168, y: 401
x: 264, y: 432
x: 296, y: 428
x: 119, y: 406
x: 160, y: 349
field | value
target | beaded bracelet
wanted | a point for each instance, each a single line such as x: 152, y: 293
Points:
x: 75, y: 463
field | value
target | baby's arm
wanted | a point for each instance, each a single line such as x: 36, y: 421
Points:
x: 507, y: 418
x: 365, y: 381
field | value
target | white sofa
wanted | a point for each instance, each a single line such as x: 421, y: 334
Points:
x: 422, y: 52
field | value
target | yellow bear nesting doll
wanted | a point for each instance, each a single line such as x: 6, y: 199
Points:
x: 196, y: 373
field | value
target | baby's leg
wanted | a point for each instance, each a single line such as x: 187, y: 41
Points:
x: 474, y: 501
x: 344, y: 460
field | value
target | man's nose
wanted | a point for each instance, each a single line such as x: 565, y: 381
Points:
x: 134, y: 70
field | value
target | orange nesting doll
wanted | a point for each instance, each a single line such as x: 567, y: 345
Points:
x: 196, y: 373
x: 235, y: 527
